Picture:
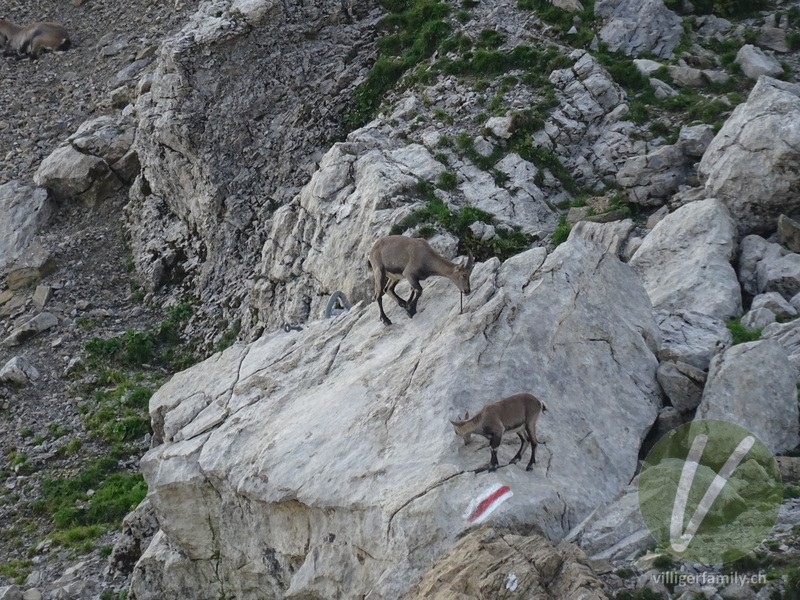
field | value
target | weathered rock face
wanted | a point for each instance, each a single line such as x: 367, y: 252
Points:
x: 255, y: 488
x: 761, y: 136
x: 229, y: 130
x: 685, y: 261
x: 319, y: 243
x: 637, y: 27
x: 737, y: 391
x: 92, y: 163
x: 588, y: 131
x: 24, y: 210
x: 491, y: 563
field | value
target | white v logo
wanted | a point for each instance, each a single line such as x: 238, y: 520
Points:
x: 680, y: 540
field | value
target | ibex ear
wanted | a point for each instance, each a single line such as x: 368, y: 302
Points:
x: 466, y: 416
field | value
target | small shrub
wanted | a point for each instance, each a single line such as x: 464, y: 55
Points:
x: 561, y: 232
x: 742, y: 334
x: 447, y: 181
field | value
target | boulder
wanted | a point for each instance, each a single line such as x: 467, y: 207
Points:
x: 781, y: 275
x: 788, y: 336
x: 651, y: 179
x: 691, y: 338
x: 755, y: 62
x: 340, y: 431
x: 221, y: 154
x: 694, y: 140
x: 757, y: 318
x: 773, y: 38
x: 25, y: 210
x: 754, y: 250
x: 737, y: 391
x: 776, y: 303
x: 492, y: 563
x: 612, y: 237
x: 789, y: 233
x: 685, y: 261
x: 32, y: 265
x: 69, y: 173
x: 19, y: 371
x: 636, y: 27
x: 752, y: 165
x: 30, y: 328
x: 614, y: 531
x: 682, y: 383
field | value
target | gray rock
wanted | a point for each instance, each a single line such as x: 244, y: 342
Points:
x: 18, y: 370
x: 788, y: 336
x: 754, y: 250
x: 218, y: 455
x: 614, y: 531
x: 511, y: 564
x: 755, y: 62
x: 752, y: 164
x: 684, y: 262
x: 646, y: 66
x: 780, y: 275
x: 737, y: 391
x: 694, y: 140
x: 692, y: 338
x: 789, y: 233
x: 33, y: 264
x: 668, y: 419
x: 42, y: 295
x: 683, y: 391
x: 651, y: 179
x: 776, y: 303
x: 69, y: 173
x: 30, y: 328
x: 662, y: 89
x: 10, y: 592
x: 639, y: 26
x: 611, y: 237
x: 773, y: 38
x: 24, y: 210
x: 758, y: 318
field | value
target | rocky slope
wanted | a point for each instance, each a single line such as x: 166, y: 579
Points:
x: 223, y: 120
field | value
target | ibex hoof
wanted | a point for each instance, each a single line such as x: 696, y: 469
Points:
x: 386, y: 322
x: 529, y: 468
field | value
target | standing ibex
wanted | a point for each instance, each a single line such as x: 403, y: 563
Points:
x: 32, y: 39
x: 397, y: 257
x: 517, y: 413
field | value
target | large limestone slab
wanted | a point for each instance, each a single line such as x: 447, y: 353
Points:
x: 636, y: 26
x: 738, y: 391
x: 752, y: 164
x: 24, y: 210
x: 685, y: 261
x: 328, y: 468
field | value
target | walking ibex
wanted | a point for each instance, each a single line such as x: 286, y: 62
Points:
x: 397, y: 257
x: 32, y: 39
x: 517, y: 413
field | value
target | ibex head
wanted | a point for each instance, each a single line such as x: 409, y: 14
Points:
x: 462, y: 272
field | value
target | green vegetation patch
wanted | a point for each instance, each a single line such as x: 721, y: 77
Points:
x: 436, y: 213
x: 742, y: 334
x: 68, y: 499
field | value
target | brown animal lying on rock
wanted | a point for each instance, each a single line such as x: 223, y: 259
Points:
x: 32, y: 39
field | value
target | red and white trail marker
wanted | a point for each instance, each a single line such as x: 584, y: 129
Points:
x: 480, y: 508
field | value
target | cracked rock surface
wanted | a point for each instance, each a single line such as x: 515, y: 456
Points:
x: 253, y: 461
